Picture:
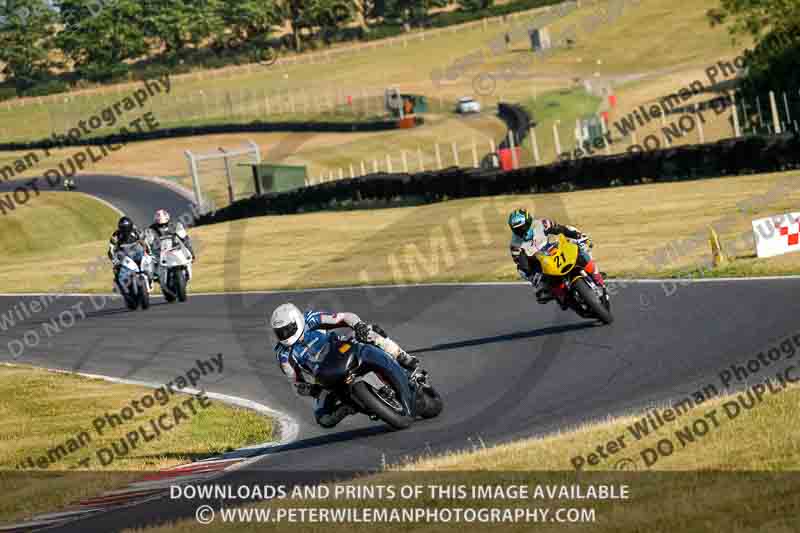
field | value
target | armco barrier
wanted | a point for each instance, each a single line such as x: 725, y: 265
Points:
x: 728, y: 157
x: 189, y: 131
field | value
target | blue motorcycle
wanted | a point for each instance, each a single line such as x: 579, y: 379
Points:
x: 373, y: 383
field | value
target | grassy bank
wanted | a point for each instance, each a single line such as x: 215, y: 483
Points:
x: 458, y: 240
x: 42, y: 410
x: 54, y: 220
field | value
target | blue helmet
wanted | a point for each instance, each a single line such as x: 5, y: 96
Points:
x: 521, y: 223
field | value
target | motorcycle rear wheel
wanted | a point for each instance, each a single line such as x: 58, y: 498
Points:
x: 590, y: 298
x: 379, y: 408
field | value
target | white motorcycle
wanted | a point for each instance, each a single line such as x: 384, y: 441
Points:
x: 132, y: 281
x: 174, y: 267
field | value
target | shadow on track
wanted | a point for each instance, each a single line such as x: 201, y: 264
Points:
x: 302, y: 444
x: 509, y: 337
x: 94, y: 314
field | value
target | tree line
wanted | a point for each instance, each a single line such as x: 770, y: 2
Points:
x: 100, y: 40
x: 774, y: 26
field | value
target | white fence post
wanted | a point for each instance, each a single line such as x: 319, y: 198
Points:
x: 534, y: 145
x: 352, y: 171
x: 556, y: 139
x: 475, y: 153
x: 421, y: 162
x: 198, y: 198
x: 776, y: 120
x: 438, y: 156
x: 514, y: 162
x: 455, y: 154
x: 389, y: 164
x: 788, y: 113
x: 700, y: 131
x: 405, y: 157
x: 363, y: 168
x: 605, y: 137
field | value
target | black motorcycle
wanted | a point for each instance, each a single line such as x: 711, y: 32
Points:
x: 372, y: 382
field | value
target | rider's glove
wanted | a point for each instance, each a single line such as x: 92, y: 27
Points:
x: 308, y: 389
x: 362, y: 331
x: 585, y: 241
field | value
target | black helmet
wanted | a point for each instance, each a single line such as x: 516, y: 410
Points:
x: 125, y: 226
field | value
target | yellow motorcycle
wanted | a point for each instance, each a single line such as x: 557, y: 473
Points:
x: 558, y: 261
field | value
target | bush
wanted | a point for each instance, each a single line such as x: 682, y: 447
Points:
x: 459, y: 17
x: 384, y: 31
x: 46, y: 88
x: 7, y: 93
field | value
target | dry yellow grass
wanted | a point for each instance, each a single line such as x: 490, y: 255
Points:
x: 41, y: 410
x: 321, y: 153
x: 458, y: 240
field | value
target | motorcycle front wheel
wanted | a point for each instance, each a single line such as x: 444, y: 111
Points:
x: 144, y: 296
x: 180, y: 285
x: 131, y: 300
x: 393, y: 415
x: 592, y: 301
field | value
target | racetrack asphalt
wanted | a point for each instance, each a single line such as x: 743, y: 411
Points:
x: 138, y: 198
x: 506, y: 367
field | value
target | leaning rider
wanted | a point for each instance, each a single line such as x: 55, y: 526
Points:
x: 161, y: 227
x: 301, y: 339
x: 529, y: 235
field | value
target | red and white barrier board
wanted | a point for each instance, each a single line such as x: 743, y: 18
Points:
x: 777, y: 235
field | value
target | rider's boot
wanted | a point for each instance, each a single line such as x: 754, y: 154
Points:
x: 559, y: 292
x: 407, y: 361
x: 544, y: 295
x: 592, y: 270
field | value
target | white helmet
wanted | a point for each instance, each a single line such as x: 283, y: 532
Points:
x: 288, y: 323
x: 161, y: 217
